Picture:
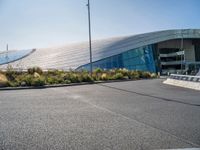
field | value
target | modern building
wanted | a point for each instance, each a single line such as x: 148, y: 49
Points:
x: 163, y: 51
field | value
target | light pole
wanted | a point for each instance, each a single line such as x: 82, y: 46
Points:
x: 182, y: 53
x: 7, y: 53
x: 90, y: 42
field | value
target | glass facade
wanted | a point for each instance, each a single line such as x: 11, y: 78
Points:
x: 10, y: 56
x: 197, y: 52
x: 135, y: 59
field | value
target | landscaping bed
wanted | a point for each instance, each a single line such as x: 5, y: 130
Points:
x: 37, y: 77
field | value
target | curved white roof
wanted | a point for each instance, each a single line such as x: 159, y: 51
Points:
x: 75, y: 55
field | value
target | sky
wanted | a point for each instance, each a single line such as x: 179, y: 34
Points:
x: 27, y: 24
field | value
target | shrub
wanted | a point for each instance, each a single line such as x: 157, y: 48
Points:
x: 27, y: 79
x: 38, y: 70
x: 36, y: 75
x: 98, y: 70
x: 104, y: 76
x: 54, y: 80
x: 10, y: 73
x: 23, y: 83
x: 112, y: 71
x: 96, y: 77
x: 153, y: 75
x: 86, y: 78
x: 35, y: 69
x: 145, y: 75
x: 134, y: 75
x: 50, y: 80
x: 118, y: 76
x: 123, y: 71
x: 30, y: 70
x: 37, y: 81
x: 13, y: 84
x: 74, y: 78
x: 51, y: 72
x: 140, y: 73
x: 67, y: 81
x: 125, y: 77
x: 3, y: 80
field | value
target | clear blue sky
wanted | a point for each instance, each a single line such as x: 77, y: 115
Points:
x: 44, y: 23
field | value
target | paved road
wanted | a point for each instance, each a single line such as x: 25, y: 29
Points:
x: 123, y: 115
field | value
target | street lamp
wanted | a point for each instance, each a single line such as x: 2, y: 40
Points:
x: 90, y: 42
x: 182, y: 52
x: 7, y: 59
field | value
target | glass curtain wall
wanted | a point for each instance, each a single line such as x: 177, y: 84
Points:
x: 10, y: 56
x: 135, y: 59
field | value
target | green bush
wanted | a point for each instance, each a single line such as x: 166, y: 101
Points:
x: 37, y: 81
x: 67, y: 82
x: 74, y: 78
x: 96, y: 77
x: 145, y: 75
x: 118, y: 76
x: 134, y: 75
x: 51, y: 80
x: 86, y: 78
x: 54, y: 80
x: 98, y: 70
x: 13, y: 84
x: 123, y: 71
x: 27, y: 78
x: 36, y: 77
x: 35, y: 69
x: 10, y: 73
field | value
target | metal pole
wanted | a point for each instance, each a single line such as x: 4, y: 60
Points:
x: 7, y: 53
x: 7, y: 58
x: 182, y: 54
x: 90, y: 42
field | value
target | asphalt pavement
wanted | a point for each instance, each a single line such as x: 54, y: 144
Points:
x: 144, y: 114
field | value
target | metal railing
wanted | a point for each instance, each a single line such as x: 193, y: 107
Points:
x: 185, y: 77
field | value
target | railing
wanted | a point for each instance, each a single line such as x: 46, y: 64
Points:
x: 172, y: 62
x: 185, y: 77
x: 172, y: 54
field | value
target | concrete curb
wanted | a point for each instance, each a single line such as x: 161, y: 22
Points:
x: 64, y: 85
x: 184, y: 84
